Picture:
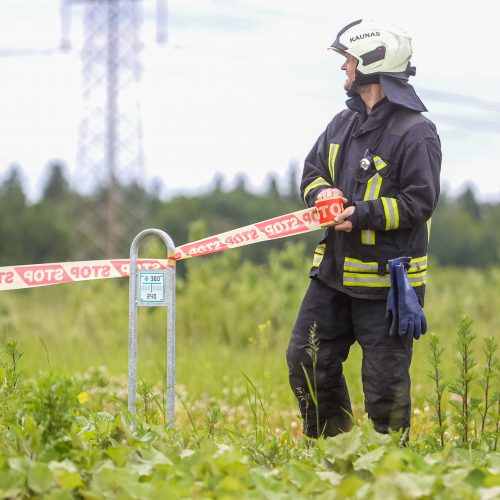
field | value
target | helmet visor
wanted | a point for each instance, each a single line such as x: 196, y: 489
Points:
x: 337, y: 44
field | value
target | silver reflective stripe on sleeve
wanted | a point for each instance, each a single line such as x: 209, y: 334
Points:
x: 391, y: 213
x: 319, y: 181
x: 332, y: 155
x: 318, y: 254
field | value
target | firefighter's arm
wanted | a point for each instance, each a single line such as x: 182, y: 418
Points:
x: 316, y: 177
x: 418, y: 192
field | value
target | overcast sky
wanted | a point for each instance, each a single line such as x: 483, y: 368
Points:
x: 246, y: 86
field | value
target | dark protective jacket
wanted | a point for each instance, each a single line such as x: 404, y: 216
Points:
x: 394, y: 198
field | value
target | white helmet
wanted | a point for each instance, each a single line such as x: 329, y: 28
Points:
x: 381, y: 49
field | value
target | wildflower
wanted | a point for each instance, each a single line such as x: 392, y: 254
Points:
x: 83, y: 397
x: 416, y: 412
x: 294, y: 425
x: 264, y: 327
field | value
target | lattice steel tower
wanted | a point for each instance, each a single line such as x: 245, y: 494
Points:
x: 110, y: 151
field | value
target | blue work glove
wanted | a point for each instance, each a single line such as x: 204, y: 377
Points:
x: 391, y: 312
x: 408, y: 318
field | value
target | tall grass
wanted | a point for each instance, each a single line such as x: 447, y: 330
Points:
x: 470, y: 393
x: 237, y: 426
x: 232, y: 317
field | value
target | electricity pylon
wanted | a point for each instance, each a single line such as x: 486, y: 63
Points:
x: 110, y: 153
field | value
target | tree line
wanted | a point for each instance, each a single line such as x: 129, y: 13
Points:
x: 65, y: 225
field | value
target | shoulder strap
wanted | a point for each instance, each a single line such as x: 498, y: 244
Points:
x: 404, y: 119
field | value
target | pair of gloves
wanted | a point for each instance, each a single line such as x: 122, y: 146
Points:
x: 403, y: 308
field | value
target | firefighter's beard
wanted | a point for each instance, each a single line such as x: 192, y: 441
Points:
x: 351, y: 87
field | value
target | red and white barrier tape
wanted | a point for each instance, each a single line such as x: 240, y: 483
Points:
x: 34, y: 275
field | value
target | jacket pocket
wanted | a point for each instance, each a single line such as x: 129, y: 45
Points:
x: 370, y: 185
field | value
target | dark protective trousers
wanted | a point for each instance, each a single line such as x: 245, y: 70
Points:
x: 340, y: 321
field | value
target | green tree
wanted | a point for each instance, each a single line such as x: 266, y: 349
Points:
x: 272, y: 186
x: 12, y: 191
x: 467, y: 201
x: 292, y: 189
x: 56, y: 186
x: 462, y: 232
x: 13, y: 219
x: 51, y: 235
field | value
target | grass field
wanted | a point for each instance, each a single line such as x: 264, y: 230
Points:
x: 65, y: 432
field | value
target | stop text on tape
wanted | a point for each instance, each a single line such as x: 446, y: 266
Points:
x: 36, y: 275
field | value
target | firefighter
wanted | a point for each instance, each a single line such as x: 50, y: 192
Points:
x: 382, y: 156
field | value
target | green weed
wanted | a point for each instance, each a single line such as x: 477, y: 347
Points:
x: 439, y: 414
x: 66, y: 432
x: 464, y: 405
x: 312, y: 351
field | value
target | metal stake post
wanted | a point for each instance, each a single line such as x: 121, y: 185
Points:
x: 151, y: 288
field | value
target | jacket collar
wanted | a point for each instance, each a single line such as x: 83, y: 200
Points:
x: 396, y: 91
x: 375, y: 119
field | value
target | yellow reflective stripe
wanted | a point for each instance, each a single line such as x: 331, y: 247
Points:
x: 332, y: 155
x: 418, y: 264
x: 368, y: 237
x: 358, y: 265
x: 377, y: 188
x: 320, y: 248
x: 319, y: 181
x: 317, y: 260
x: 358, y: 273
x: 372, y: 191
x: 379, y: 163
x: 375, y: 280
x: 419, y: 259
x: 391, y: 213
x: 366, y: 279
x: 373, y: 188
x: 318, y: 254
x: 418, y: 279
x: 386, y: 213
x: 396, y: 212
x: 419, y: 283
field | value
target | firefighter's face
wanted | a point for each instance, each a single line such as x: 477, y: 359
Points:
x: 349, y: 67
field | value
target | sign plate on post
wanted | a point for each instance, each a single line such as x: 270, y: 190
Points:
x: 152, y: 288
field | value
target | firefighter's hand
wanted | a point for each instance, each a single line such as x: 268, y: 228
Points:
x: 331, y: 193
x: 341, y: 224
